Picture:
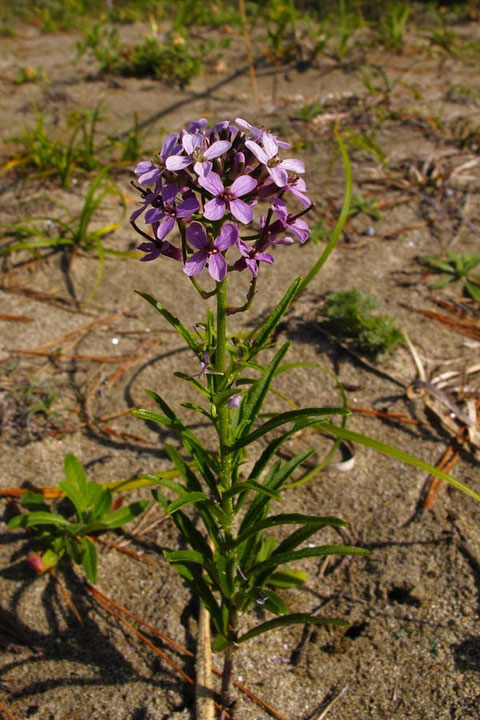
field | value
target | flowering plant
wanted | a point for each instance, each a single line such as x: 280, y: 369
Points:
x: 208, y: 184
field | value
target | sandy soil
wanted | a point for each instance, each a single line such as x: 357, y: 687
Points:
x: 413, y: 647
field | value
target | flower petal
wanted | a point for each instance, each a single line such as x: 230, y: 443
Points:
x: 265, y: 257
x: 259, y: 152
x: 143, y: 167
x: 177, y: 162
x: 214, y: 209
x: 165, y: 227
x: 243, y: 185
x: 191, y: 142
x: 168, y: 145
x: 169, y: 193
x: 246, y: 126
x: 203, y: 168
x: 212, y: 183
x: 171, y: 251
x: 154, y: 215
x: 187, y: 208
x: 241, y: 211
x: 243, y: 248
x: 195, y: 263
x: 278, y: 175
x: 228, y: 237
x: 270, y: 145
x: 217, y: 149
x: 217, y: 267
x: 252, y: 266
x: 293, y: 165
x: 197, y: 236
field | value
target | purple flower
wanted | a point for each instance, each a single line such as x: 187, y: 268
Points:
x: 150, y: 172
x: 297, y: 226
x: 235, y: 401
x: 295, y: 184
x: 257, y: 132
x: 251, y: 258
x: 268, y: 155
x: 156, y: 248
x: 169, y: 212
x: 195, y: 146
x: 212, y: 251
x: 223, y: 197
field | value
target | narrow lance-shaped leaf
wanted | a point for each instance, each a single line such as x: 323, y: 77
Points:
x: 345, y: 434
x: 263, y: 333
x: 174, y: 322
x: 292, y: 619
x: 282, y: 418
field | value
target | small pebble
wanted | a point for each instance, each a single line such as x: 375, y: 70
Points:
x: 115, y: 341
x: 369, y: 231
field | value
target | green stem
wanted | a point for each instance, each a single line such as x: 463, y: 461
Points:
x: 341, y: 220
x: 223, y: 418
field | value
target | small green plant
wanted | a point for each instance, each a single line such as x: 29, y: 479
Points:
x: 74, y: 233
x: 360, y: 205
x: 455, y: 267
x: 59, y: 535
x: 349, y: 314
x: 174, y: 62
x: 308, y: 112
x: 26, y: 74
x: 393, y: 25
x: 73, y: 148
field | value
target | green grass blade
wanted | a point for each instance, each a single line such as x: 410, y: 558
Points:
x: 394, y: 452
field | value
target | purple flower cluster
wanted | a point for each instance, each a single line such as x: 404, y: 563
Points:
x: 208, y: 182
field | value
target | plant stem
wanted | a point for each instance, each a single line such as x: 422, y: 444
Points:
x: 227, y: 676
x: 225, y: 479
x: 220, y: 367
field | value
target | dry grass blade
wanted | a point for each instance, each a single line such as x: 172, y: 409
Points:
x: 205, y: 709
x: 71, y: 356
x: 67, y: 596
x: 123, y: 550
x: 17, y: 318
x: 139, y: 354
x: 467, y: 327
x: 6, y: 711
x: 398, y: 417
x: 80, y: 331
x: 258, y: 701
x: 56, y: 300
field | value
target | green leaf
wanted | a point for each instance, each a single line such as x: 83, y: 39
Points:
x: 103, y: 504
x: 275, y: 480
x: 187, y: 499
x: 289, y: 519
x: 34, y: 501
x: 335, y: 236
x: 473, y: 289
x: 120, y: 517
x: 394, y: 452
x: 184, y: 556
x: 254, y: 400
x: 277, y: 558
x: 292, y: 619
x: 89, y: 559
x: 263, y: 333
x: 190, y: 478
x: 317, y: 414
x: 174, y: 322
x: 251, y: 485
x: 219, y: 643
x: 38, y: 518
x: 192, y: 535
x: 287, y: 578
x: 75, y: 483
